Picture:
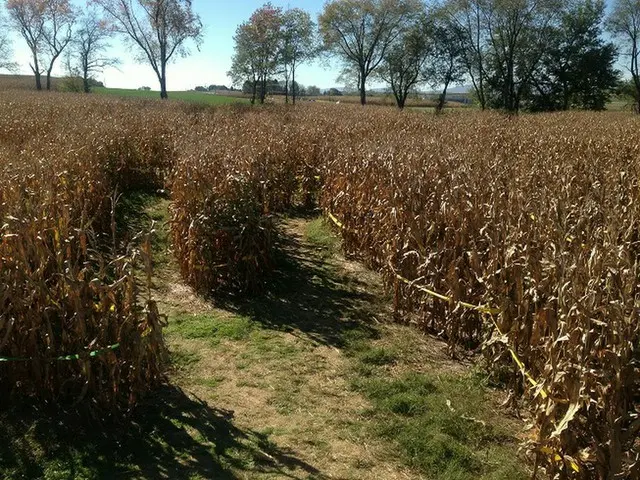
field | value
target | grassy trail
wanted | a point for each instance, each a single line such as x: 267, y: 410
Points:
x: 307, y: 380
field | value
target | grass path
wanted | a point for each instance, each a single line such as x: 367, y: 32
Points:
x: 307, y: 380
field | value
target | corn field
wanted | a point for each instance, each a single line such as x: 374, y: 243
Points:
x: 533, y: 220
x: 73, y: 325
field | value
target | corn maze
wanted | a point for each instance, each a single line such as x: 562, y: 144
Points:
x: 534, y: 220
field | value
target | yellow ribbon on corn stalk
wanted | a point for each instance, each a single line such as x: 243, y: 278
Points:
x: 490, y: 312
x: 335, y: 220
x: 479, y: 308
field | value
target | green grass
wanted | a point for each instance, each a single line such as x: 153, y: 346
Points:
x: 377, y: 356
x: 182, y: 360
x: 358, y: 344
x: 265, y: 344
x: 443, y: 426
x: 210, y: 327
x: 186, y: 96
x: 137, y: 212
x: 319, y: 233
x: 620, y: 105
x: 423, y: 109
x: 209, y: 382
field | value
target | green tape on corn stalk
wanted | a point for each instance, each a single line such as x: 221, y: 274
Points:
x: 479, y: 308
x: 63, y: 358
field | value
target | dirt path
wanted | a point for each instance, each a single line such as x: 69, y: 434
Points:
x: 307, y: 380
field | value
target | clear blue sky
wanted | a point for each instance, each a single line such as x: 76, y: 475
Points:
x: 210, y: 64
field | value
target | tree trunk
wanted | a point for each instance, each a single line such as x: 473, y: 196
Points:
x: 636, y: 81
x: 85, y: 76
x: 483, y: 101
x: 363, y: 87
x: 254, y: 92
x: 36, y: 71
x: 163, y: 88
x: 286, y: 90
x: 50, y: 69
x: 509, y: 88
x: 481, y: 96
x: 263, y: 90
x: 443, y: 98
x: 635, y: 72
x: 163, y: 81
x: 85, y: 83
x: 400, y: 95
x: 565, y: 96
x: 293, y: 80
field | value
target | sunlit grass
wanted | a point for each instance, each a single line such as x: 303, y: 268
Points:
x: 185, y: 96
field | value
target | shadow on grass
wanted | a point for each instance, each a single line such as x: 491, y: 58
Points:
x: 305, y: 296
x: 132, y: 216
x: 173, y: 436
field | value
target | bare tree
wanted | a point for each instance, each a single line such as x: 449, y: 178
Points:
x: 57, y: 32
x: 88, y: 53
x: 361, y: 31
x: 6, y: 53
x: 46, y: 27
x: 28, y: 18
x: 159, y: 29
x: 624, y: 24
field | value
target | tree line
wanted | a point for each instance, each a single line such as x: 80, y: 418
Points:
x: 539, y: 55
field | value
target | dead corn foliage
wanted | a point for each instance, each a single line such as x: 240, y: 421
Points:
x: 234, y: 171
x: 537, y: 217
x: 72, y: 323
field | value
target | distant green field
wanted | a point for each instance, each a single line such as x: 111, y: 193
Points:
x: 189, y: 96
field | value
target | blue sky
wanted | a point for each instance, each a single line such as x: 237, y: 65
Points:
x: 210, y: 64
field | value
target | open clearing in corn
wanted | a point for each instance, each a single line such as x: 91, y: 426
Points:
x: 307, y: 380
